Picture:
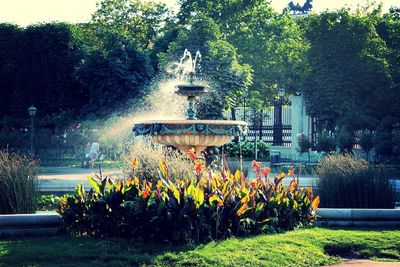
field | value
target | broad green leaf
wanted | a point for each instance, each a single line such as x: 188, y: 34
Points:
x: 175, y: 191
x: 95, y: 184
x: 190, y: 190
x: 80, y: 191
x: 198, y: 196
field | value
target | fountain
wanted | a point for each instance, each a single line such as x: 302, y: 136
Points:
x: 190, y: 133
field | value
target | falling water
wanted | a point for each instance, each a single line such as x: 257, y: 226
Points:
x: 160, y: 103
x: 187, y: 64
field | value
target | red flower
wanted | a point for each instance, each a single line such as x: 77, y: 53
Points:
x: 146, y: 193
x: 256, y: 166
x: 191, y: 154
x: 291, y: 172
x: 266, y: 171
x: 199, y: 166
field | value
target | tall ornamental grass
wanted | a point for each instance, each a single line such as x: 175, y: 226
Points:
x: 148, y: 156
x: 348, y: 182
x: 18, y: 184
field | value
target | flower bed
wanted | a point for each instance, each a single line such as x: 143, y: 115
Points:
x: 207, y: 206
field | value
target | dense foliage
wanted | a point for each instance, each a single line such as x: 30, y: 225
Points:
x: 18, y: 184
x: 208, y: 206
x: 219, y: 64
x: 38, y: 64
x: 247, y: 149
x: 345, y: 64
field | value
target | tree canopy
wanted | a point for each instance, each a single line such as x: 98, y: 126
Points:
x: 347, y: 76
x: 346, y: 64
x: 219, y: 63
x: 139, y: 20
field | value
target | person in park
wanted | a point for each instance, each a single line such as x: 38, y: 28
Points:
x: 86, y: 156
x: 94, y: 152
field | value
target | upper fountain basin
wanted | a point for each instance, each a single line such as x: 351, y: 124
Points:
x: 191, y: 89
x: 186, y: 134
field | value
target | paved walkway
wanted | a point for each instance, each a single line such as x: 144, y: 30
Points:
x: 366, y: 263
x: 65, y: 179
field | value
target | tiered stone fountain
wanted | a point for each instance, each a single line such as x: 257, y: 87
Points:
x: 191, y: 133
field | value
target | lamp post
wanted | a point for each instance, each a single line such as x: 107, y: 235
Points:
x: 278, y: 128
x: 245, y: 95
x: 32, y: 112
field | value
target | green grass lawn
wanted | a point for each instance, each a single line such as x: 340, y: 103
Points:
x: 296, y: 248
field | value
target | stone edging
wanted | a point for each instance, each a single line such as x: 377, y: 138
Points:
x: 358, y: 217
x: 48, y: 223
x: 29, y: 224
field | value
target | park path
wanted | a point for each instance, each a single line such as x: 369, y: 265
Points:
x: 65, y: 179
x: 365, y: 263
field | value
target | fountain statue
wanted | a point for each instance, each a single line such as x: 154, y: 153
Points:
x: 190, y: 133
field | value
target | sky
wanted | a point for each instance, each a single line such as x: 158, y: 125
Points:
x: 26, y: 12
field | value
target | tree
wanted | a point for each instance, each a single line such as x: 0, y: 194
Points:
x: 367, y: 141
x: 113, y: 74
x: 304, y: 145
x: 270, y: 43
x: 389, y: 30
x: 346, y: 81
x: 305, y: 8
x: 140, y: 20
x: 10, y: 38
x: 47, y: 55
x: 384, y: 139
x: 345, y: 140
x: 326, y: 142
x: 219, y: 64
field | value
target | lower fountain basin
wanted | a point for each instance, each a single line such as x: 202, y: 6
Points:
x: 187, y: 134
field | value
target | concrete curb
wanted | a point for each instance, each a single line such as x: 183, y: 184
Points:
x: 29, y: 224
x: 358, y: 217
x: 48, y: 224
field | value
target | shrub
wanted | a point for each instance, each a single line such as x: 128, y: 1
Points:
x: 304, y: 143
x: 247, y: 147
x: 326, y: 142
x: 50, y: 202
x: 202, y: 207
x: 18, y: 184
x: 348, y: 182
x: 345, y: 140
x: 367, y: 141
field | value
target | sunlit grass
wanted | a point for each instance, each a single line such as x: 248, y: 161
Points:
x: 296, y: 248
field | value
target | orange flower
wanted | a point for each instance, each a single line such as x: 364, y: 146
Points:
x: 146, y: 193
x: 253, y: 183
x: 192, y: 154
x: 199, y: 166
x: 266, y: 171
x: 134, y: 163
x: 291, y: 172
x: 315, y: 203
x: 256, y: 166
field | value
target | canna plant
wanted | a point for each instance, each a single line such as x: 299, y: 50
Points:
x: 209, y: 205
